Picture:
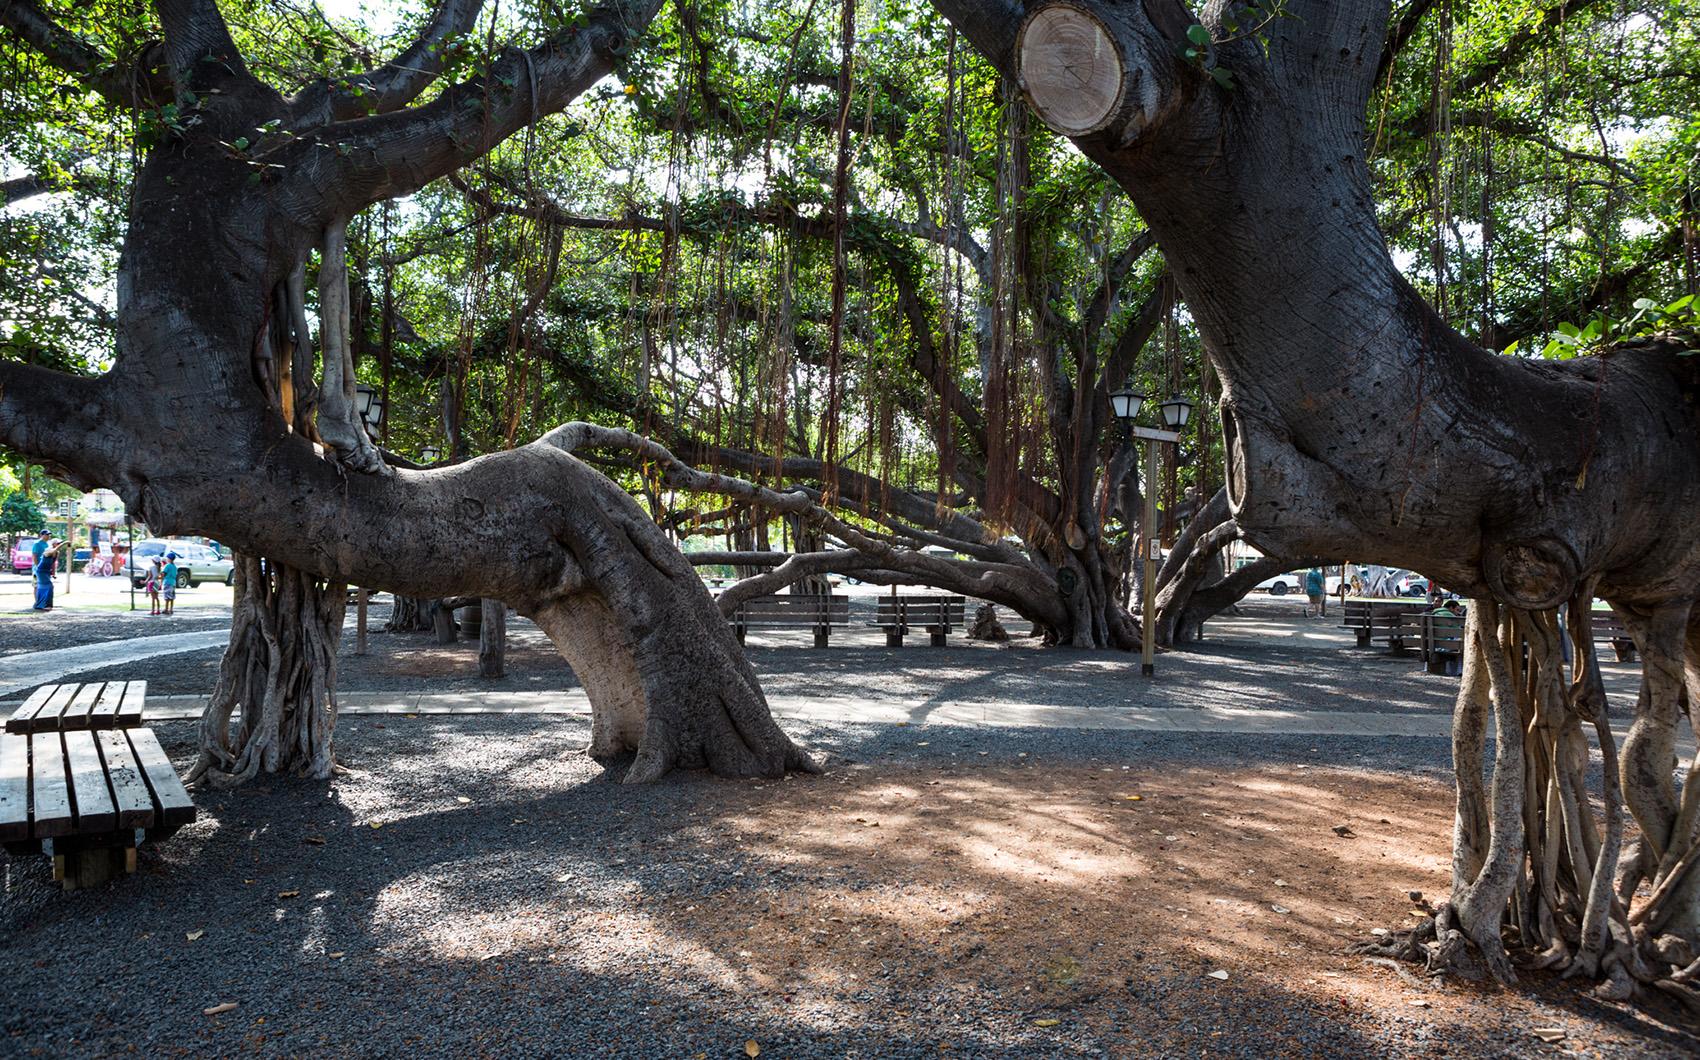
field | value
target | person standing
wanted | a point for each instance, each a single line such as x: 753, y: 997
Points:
x: 151, y: 586
x: 43, y: 560
x: 168, y: 583
x: 1314, y: 589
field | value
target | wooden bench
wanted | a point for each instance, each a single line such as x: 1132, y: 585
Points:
x: 1393, y: 620
x: 1609, y: 627
x: 55, y: 708
x: 1443, y: 643
x: 936, y: 614
x: 792, y: 611
x: 86, y: 785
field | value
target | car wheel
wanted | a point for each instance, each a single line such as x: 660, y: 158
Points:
x: 184, y: 581
x: 1278, y: 589
x: 230, y: 579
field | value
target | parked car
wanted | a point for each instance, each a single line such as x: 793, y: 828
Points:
x: 196, y: 563
x: 1282, y: 584
x: 23, y: 560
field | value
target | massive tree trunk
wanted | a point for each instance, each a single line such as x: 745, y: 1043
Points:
x: 1357, y: 420
x: 187, y: 426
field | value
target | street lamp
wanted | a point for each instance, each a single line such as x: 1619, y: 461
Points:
x: 1125, y: 404
x: 1175, y: 412
x: 430, y: 455
x: 365, y: 397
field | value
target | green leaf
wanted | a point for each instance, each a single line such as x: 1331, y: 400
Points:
x: 241, y: 143
x: 1223, y: 76
x: 1198, y: 35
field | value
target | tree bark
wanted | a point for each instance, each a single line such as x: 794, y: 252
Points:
x: 493, y: 639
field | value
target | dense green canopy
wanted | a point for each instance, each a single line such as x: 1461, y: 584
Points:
x: 663, y: 253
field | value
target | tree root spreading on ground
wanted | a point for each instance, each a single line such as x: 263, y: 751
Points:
x: 1537, y: 882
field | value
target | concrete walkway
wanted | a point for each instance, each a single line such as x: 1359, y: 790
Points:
x: 995, y: 715
x: 18, y: 673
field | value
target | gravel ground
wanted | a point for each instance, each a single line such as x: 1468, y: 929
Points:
x: 473, y: 887
x: 22, y: 632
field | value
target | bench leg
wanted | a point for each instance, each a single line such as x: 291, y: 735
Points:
x: 821, y: 635
x: 937, y: 636
x: 90, y: 868
x: 740, y: 631
x: 893, y: 637
x: 1363, y: 638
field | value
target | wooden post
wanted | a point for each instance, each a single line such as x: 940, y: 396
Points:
x: 360, y: 622
x: 493, y: 639
x: 443, y: 622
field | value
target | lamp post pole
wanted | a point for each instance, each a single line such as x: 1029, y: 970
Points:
x: 1147, y: 639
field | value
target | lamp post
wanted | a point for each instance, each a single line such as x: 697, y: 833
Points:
x: 430, y: 455
x: 1175, y: 412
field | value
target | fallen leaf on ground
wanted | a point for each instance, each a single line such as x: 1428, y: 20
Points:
x: 315, y: 840
x: 337, y: 956
x: 1281, y: 909
x: 462, y: 799
x: 1344, y: 830
x: 751, y: 1048
x: 1280, y: 883
x: 1550, y: 1034
x: 223, y: 1007
x: 377, y: 824
x: 1135, y: 798
x: 1220, y: 973
x: 1418, y: 1003
x: 289, y: 894
x: 195, y: 936
x: 1046, y: 1023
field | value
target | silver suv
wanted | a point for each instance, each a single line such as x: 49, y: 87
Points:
x: 196, y: 563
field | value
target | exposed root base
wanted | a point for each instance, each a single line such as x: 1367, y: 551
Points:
x: 279, y: 672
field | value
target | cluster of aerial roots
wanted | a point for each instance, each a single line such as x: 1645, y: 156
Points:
x: 1542, y: 875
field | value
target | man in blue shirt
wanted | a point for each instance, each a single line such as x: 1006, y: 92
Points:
x: 169, y: 580
x: 43, y: 562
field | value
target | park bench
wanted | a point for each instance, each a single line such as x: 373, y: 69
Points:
x: 792, y: 611
x: 1395, y: 621
x: 1609, y: 627
x: 936, y: 614
x: 1443, y: 643
x: 82, y: 782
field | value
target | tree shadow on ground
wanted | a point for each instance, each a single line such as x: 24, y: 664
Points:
x: 513, y: 897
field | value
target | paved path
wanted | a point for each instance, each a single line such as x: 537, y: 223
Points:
x: 970, y: 715
x: 38, y: 668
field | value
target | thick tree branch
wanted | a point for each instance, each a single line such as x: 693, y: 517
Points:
x: 400, y: 81
x: 198, y: 45
x: 1400, y: 34
x: 65, y: 50
x: 394, y: 154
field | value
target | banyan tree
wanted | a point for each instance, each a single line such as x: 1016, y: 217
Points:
x: 978, y: 307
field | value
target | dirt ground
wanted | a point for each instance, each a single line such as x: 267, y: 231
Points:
x: 1112, y: 901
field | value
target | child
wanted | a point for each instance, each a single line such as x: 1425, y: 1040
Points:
x: 168, y: 583
x: 151, y: 586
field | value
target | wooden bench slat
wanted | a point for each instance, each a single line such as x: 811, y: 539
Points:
x: 104, y: 715
x: 46, y: 717
x: 169, y: 796
x: 76, y: 713
x: 49, y: 792
x: 19, y: 719
x: 95, y: 812
x: 130, y: 792
x: 135, y: 699
x: 14, y: 786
